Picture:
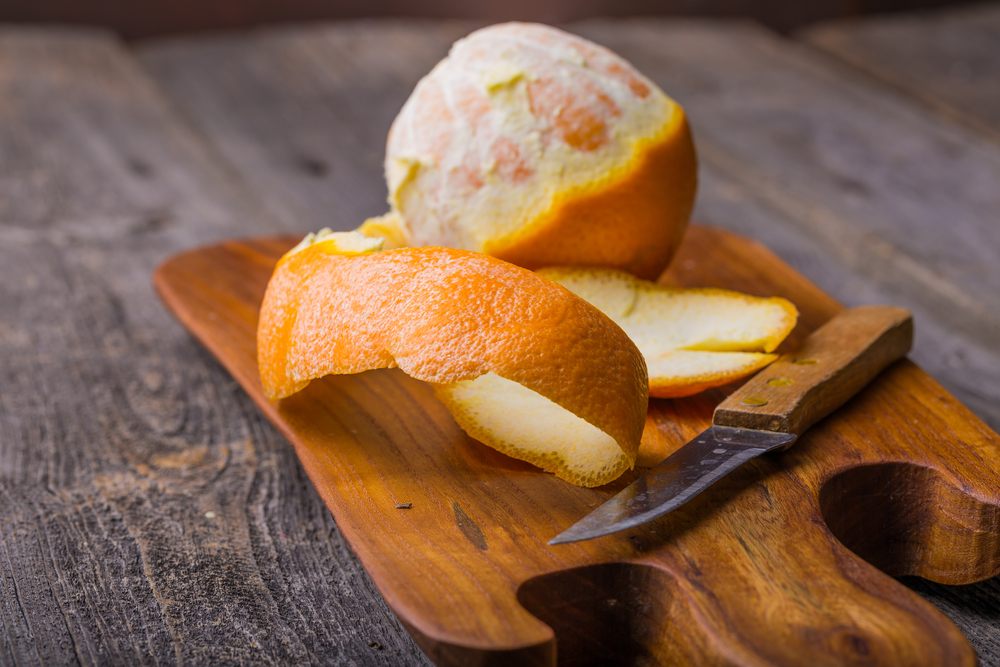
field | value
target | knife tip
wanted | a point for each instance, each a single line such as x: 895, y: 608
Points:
x: 569, y: 536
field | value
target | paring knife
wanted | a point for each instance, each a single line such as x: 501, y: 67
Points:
x: 766, y: 414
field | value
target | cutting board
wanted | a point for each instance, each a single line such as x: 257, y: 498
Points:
x: 787, y: 561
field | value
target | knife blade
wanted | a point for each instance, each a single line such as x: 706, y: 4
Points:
x: 766, y: 414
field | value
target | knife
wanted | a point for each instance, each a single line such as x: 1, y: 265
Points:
x: 766, y: 414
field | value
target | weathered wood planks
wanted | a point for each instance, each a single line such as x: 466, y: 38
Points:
x: 949, y: 60
x: 844, y: 179
x: 118, y: 434
x: 302, y: 114
x: 147, y: 513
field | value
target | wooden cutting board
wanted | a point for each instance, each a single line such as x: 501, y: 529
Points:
x: 768, y: 567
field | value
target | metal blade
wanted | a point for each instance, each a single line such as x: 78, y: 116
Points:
x: 682, y: 475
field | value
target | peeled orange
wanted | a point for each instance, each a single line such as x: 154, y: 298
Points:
x: 541, y: 148
x: 692, y: 339
x: 525, y: 366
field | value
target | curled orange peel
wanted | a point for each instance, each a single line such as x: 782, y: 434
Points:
x: 518, y: 359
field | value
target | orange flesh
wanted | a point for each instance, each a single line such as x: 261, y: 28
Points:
x: 536, y: 146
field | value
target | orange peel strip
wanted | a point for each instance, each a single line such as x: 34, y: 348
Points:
x: 692, y: 339
x: 488, y: 333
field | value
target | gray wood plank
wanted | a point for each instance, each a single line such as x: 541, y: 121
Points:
x: 948, y: 59
x: 303, y: 112
x: 874, y: 199
x: 148, y: 514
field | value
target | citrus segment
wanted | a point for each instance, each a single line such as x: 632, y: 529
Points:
x: 692, y: 339
x: 450, y: 316
x: 542, y: 148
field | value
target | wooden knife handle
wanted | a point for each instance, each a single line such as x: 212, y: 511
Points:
x: 835, y: 362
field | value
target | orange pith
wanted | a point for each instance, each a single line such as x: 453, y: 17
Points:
x: 446, y: 316
x: 689, y: 386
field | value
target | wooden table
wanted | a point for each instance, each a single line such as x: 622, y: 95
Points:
x: 149, y: 514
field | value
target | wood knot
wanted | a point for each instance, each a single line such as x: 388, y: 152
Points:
x: 469, y: 527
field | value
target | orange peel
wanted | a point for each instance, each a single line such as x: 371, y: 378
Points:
x: 541, y: 148
x: 502, y: 345
x: 692, y: 339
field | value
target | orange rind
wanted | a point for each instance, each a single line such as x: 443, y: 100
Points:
x: 692, y: 339
x: 541, y: 148
x: 519, y: 360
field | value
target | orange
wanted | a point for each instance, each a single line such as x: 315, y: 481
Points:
x: 540, y: 148
x: 692, y: 339
x: 517, y: 358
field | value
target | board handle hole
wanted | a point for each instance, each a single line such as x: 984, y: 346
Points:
x: 608, y: 614
x: 905, y: 519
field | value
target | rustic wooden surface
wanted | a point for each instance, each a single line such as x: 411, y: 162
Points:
x: 847, y: 156
x: 148, y: 513
x: 118, y: 434
x: 948, y: 60
x: 747, y: 573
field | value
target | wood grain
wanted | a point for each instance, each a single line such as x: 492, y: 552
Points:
x: 747, y: 573
x: 830, y: 366
x: 118, y: 435
x: 303, y: 113
x: 148, y: 514
x: 948, y: 60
